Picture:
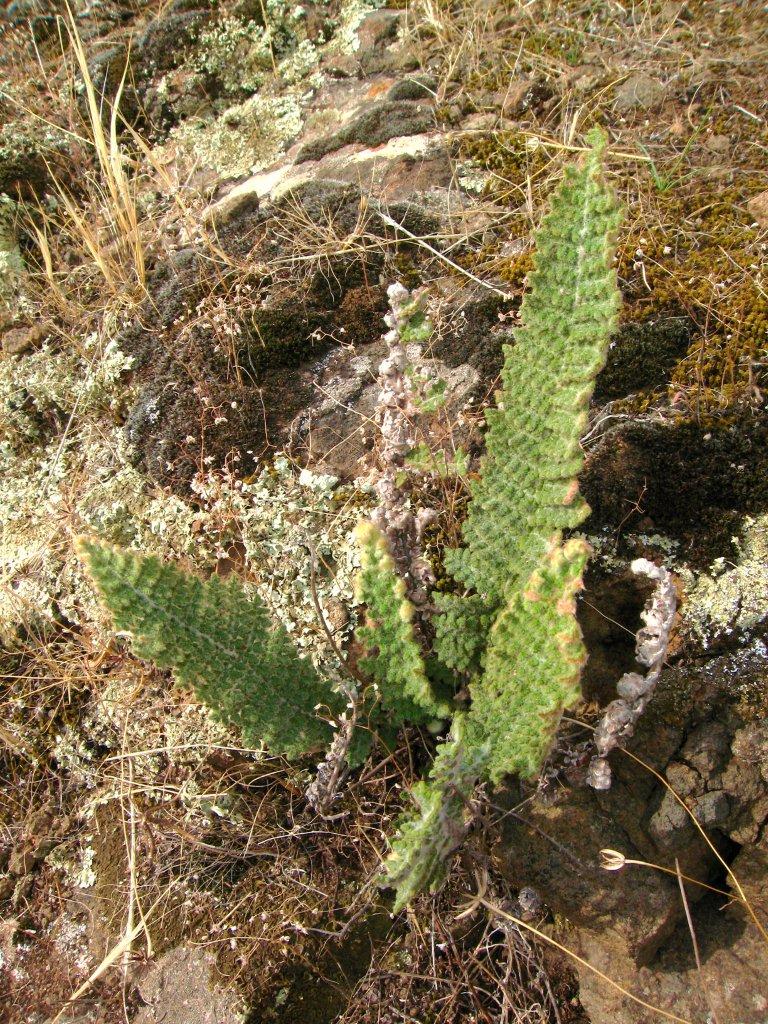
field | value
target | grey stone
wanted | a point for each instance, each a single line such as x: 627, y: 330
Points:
x: 727, y: 987
x: 670, y: 819
x: 18, y: 340
x: 178, y: 990
x: 638, y: 92
x: 711, y: 809
x: 708, y: 748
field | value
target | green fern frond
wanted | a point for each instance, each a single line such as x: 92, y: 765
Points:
x: 461, y: 630
x: 532, y: 666
x: 527, y: 492
x: 394, y: 657
x: 220, y: 643
x: 421, y: 852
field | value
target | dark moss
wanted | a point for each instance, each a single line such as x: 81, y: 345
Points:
x: 377, y: 123
x: 473, y: 334
x: 318, y: 989
x: 642, y: 356
x: 415, y: 87
x: 689, y: 479
x: 203, y: 404
x: 163, y: 44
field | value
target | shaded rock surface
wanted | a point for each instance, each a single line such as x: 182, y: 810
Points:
x: 728, y: 983
x: 178, y: 989
x: 685, y: 478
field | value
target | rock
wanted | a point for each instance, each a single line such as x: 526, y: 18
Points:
x: 378, y: 123
x: 711, y: 750
x: 397, y: 171
x: 238, y: 205
x: 712, y: 809
x: 728, y: 986
x: 708, y: 748
x: 23, y: 167
x: 556, y: 849
x: 523, y: 95
x: 471, y: 330
x: 688, y: 479
x: 732, y: 601
x: 670, y: 827
x: 758, y: 208
x: 379, y: 50
x: 335, y: 433
x: 191, y: 402
x: 18, y: 340
x: 638, y: 92
x: 377, y: 29
x: 179, y: 989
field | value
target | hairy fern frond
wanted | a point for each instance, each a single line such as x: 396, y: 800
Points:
x: 461, y: 630
x: 527, y: 491
x: 532, y: 666
x: 394, y: 658
x: 220, y: 643
x: 427, y: 837
x: 525, y: 668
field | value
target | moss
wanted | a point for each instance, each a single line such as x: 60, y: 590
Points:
x: 703, y: 258
x: 641, y: 356
x: 499, y: 161
x: 688, y: 479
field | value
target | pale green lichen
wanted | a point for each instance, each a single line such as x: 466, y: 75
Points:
x: 245, y: 138
x: 76, y: 866
x: 11, y: 262
x: 733, y: 598
x: 281, y: 517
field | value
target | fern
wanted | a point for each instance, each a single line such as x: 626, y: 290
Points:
x: 218, y: 642
x: 532, y: 666
x: 394, y: 657
x: 420, y: 855
x: 461, y: 630
x: 527, y: 491
x: 526, y: 667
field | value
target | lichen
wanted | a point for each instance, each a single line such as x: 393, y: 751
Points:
x: 243, y: 55
x: 11, y: 262
x: 733, y: 598
x: 245, y: 138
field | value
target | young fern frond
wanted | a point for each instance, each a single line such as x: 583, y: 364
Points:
x: 532, y: 666
x: 517, y: 634
x: 420, y: 855
x: 394, y: 658
x: 527, y: 491
x: 220, y: 643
